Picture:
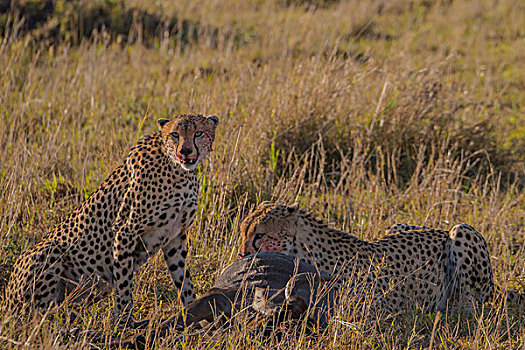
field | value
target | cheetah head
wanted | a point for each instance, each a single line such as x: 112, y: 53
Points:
x: 270, y: 228
x: 188, y: 138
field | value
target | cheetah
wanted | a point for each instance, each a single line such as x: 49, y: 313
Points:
x: 410, y: 265
x: 147, y: 204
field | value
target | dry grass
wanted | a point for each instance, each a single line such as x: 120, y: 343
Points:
x: 370, y: 113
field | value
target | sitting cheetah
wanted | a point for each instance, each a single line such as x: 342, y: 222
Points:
x: 145, y: 205
x: 426, y: 266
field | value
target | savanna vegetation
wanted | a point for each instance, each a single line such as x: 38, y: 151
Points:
x: 369, y: 113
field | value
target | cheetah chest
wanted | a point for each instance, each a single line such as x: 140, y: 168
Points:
x: 172, y: 221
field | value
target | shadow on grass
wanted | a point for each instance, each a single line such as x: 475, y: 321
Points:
x: 72, y: 21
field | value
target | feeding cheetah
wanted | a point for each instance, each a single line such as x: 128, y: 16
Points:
x: 426, y: 266
x: 145, y: 205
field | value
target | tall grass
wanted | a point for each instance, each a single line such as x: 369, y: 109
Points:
x: 369, y: 113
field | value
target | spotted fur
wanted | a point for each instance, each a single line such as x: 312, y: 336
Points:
x: 411, y: 263
x: 145, y: 205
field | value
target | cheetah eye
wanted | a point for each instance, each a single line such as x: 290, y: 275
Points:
x: 258, y: 236
x: 198, y: 134
x: 175, y: 135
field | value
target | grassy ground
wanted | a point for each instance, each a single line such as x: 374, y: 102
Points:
x: 369, y: 113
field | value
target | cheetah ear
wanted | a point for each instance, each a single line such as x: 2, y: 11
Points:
x: 264, y: 204
x: 162, y: 122
x: 292, y: 210
x: 214, y: 119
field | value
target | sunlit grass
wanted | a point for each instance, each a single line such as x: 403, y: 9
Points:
x: 369, y: 113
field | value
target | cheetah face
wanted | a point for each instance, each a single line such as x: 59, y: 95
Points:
x: 188, y: 138
x: 270, y: 228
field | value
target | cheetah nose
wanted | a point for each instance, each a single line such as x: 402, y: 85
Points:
x: 185, y: 151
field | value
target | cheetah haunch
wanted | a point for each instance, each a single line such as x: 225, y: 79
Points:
x: 424, y: 266
x: 144, y: 206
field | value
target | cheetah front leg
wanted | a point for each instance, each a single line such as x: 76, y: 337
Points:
x: 127, y: 227
x: 123, y: 245
x: 175, y: 253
